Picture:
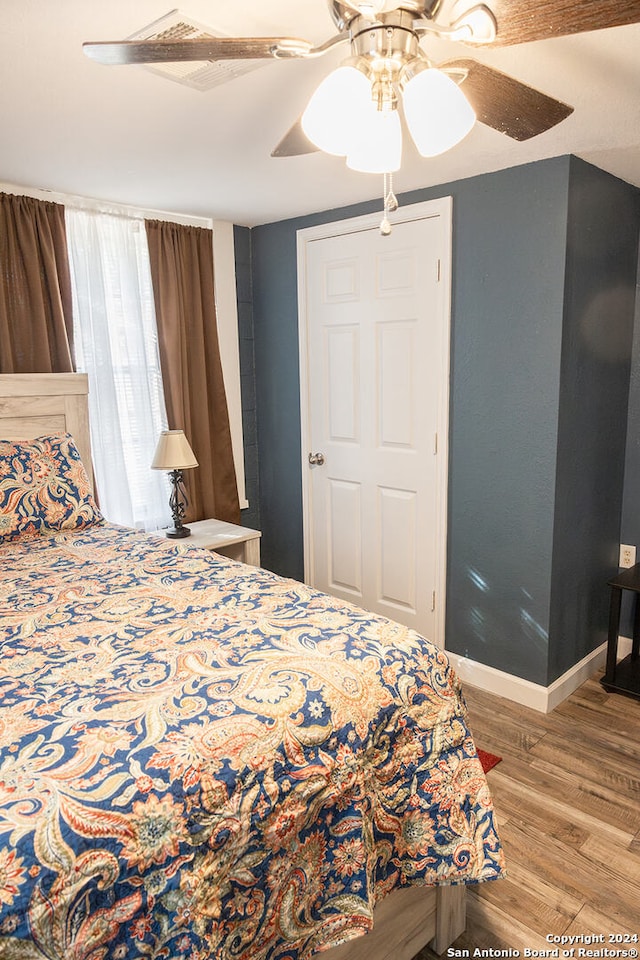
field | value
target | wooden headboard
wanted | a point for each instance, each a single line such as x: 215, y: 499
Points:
x: 36, y: 404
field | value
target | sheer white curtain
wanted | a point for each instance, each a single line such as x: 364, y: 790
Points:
x: 116, y: 344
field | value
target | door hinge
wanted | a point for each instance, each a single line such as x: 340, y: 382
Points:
x: 433, y: 601
x: 438, y: 270
x: 435, y: 444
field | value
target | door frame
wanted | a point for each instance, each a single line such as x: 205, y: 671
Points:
x: 442, y: 208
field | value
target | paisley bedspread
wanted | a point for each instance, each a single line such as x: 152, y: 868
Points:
x: 199, y: 759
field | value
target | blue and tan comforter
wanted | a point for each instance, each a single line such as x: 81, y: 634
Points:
x: 199, y: 759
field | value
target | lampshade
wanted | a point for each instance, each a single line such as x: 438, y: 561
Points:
x: 377, y: 141
x: 330, y: 114
x: 173, y: 452
x: 437, y: 112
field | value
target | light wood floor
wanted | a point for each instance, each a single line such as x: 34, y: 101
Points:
x: 567, y: 798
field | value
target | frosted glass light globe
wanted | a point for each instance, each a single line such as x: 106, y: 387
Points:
x: 437, y: 112
x: 377, y: 141
x: 329, y: 116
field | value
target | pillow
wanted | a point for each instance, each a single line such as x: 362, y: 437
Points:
x: 43, y: 487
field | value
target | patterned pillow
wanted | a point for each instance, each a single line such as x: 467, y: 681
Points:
x: 43, y: 487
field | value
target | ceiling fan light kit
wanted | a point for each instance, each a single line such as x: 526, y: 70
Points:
x: 351, y: 116
x: 354, y: 112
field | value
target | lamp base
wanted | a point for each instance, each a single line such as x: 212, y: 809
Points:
x: 178, y: 533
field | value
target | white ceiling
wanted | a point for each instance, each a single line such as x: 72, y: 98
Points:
x: 127, y: 135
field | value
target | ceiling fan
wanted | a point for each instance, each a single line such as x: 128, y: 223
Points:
x: 385, y: 37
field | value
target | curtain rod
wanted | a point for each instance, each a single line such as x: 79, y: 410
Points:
x: 124, y: 211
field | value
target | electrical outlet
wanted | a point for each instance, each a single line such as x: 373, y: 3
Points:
x: 627, y: 555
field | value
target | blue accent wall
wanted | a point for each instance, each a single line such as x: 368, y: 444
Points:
x: 630, y: 527
x: 508, y: 270
x: 630, y: 531
x: 601, y: 273
x: 523, y: 275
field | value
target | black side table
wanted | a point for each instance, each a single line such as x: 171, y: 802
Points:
x: 623, y: 677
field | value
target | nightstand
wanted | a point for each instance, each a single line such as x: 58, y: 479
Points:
x: 239, y: 543
x: 623, y: 677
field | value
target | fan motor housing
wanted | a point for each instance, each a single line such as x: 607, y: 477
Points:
x: 394, y: 41
x: 344, y: 13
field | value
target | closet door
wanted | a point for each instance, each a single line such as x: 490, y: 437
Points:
x: 376, y: 339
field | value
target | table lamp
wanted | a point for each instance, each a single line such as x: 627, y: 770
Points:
x: 174, y: 454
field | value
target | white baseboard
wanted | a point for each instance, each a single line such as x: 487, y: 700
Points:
x: 529, y: 694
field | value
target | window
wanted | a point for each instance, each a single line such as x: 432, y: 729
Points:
x: 116, y: 344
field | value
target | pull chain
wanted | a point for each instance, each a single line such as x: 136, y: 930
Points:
x: 390, y: 204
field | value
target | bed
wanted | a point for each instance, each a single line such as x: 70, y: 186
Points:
x: 201, y: 759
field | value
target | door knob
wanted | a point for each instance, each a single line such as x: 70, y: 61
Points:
x: 316, y: 459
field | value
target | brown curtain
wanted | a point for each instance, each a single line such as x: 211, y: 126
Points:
x: 36, y: 325
x: 182, y: 273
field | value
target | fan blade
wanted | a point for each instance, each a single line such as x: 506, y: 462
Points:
x: 295, y: 143
x: 214, y: 48
x: 520, y: 21
x: 506, y: 104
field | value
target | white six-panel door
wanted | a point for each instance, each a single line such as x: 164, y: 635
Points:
x: 374, y: 330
